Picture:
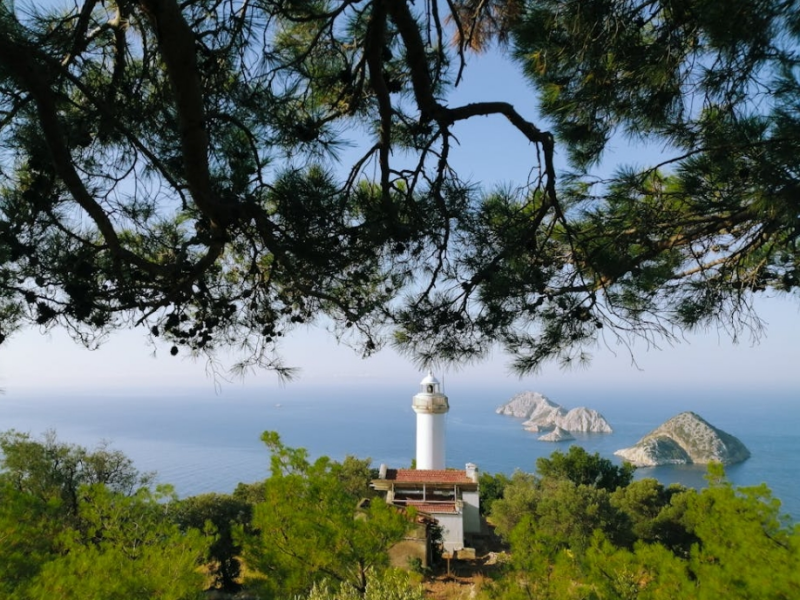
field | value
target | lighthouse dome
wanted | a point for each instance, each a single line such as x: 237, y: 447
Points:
x: 429, y: 380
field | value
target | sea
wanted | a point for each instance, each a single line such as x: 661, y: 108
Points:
x: 208, y: 439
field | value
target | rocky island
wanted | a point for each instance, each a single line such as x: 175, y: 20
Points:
x: 543, y: 415
x: 557, y: 435
x: 684, y: 440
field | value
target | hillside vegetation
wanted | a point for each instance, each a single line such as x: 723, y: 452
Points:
x: 87, y: 525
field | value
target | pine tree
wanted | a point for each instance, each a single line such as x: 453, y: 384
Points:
x: 171, y: 165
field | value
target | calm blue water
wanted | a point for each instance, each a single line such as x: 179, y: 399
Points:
x: 202, y: 442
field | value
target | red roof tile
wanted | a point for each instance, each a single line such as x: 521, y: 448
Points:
x: 428, y: 476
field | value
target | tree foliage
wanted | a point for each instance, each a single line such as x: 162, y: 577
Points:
x: 309, y: 526
x: 646, y: 542
x: 392, y: 584
x: 224, y: 513
x: 76, y: 524
x: 28, y: 529
x: 173, y: 165
x: 582, y: 468
x: 309, y: 539
x: 54, y: 472
x: 746, y: 547
x: 568, y: 515
x: 519, y: 499
x: 686, y: 240
x: 128, y: 549
x: 656, y: 513
x: 491, y: 488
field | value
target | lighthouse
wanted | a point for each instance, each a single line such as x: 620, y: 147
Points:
x: 431, y: 406
x: 449, y: 496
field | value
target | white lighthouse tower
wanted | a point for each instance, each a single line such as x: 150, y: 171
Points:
x: 431, y: 406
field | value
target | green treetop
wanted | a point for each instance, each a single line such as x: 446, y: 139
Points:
x: 80, y: 524
x: 582, y: 468
x: 309, y: 527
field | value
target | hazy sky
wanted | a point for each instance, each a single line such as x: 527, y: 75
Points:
x: 490, y: 151
x: 31, y: 361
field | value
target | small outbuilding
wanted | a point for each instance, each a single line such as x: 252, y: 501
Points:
x: 450, y: 496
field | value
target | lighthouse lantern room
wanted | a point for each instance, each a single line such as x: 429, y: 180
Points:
x: 431, y: 406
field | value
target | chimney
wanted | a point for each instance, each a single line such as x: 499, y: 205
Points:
x: 472, y: 472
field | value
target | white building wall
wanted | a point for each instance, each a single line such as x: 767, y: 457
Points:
x: 452, y: 531
x: 430, y: 441
x: 472, y: 515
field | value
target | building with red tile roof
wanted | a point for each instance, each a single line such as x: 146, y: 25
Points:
x: 448, y: 495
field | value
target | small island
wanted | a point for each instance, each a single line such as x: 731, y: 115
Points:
x: 685, y: 439
x: 557, y: 435
x: 542, y: 415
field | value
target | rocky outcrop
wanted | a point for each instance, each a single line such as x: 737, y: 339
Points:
x: 683, y: 440
x: 557, y: 435
x: 584, y: 419
x: 523, y: 405
x: 545, y: 416
x: 542, y: 414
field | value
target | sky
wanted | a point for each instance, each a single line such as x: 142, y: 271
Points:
x: 490, y: 152
x: 32, y: 361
